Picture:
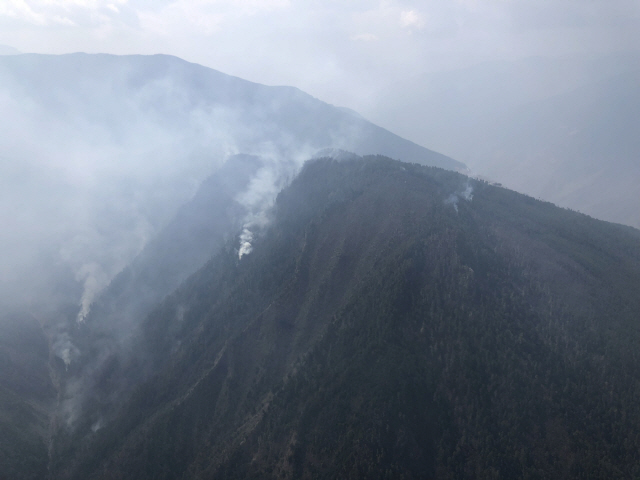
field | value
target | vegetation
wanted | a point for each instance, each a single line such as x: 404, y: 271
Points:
x: 26, y: 398
x: 385, y: 326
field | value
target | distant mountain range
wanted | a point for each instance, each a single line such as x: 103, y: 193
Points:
x: 114, y: 93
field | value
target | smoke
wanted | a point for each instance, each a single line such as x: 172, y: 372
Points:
x: 94, y: 279
x: 466, y: 195
x: 112, y: 163
x: 281, y: 163
x: 64, y: 349
x: 123, y: 142
x: 97, y: 425
x: 246, y: 237
x: 258, y: 200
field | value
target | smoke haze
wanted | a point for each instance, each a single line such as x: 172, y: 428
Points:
x: 452, y: 75
x: 100, y: 169
x: 125, y: 170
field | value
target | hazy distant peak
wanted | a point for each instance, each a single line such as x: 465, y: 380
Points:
x: 7, y: 50
x: 351, y: 112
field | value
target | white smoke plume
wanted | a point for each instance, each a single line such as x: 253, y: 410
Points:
x: 466, y: 194
x: 280, y: 166
x: 64, y: 349
x: 245, y: 243
x: 94, y: 279
x: 97, y: 425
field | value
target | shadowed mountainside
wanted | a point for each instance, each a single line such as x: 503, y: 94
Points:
x: 394, y: 321
x: 98, y: 154
x: 97, y: 347
x: 27, y: 398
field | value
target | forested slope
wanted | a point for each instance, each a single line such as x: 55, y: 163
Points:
x: 27, y: 398
x: 394, y: 321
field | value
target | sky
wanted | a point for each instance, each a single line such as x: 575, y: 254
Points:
x: 348, y: 53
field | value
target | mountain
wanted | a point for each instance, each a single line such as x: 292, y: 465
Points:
x: 119, y: 178
x: 391, y: 321
x: 562, y: 129
x: 183, y: 294
x: 96, y: 347
x: 89, y: 151
x: 7, y: 50
x: 191, y: 238
x: 27, y: 398
x: 175, y: 93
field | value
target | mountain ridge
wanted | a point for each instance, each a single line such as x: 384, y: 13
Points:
x: 264, y: 362
x: 386, y: 319
x: 111, y: 128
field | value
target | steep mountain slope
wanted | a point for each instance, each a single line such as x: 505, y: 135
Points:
x: 191, y: 238
x: 90, y: 359
x: 76, y: 355
x: 98, y: 154
x: 394, y: 321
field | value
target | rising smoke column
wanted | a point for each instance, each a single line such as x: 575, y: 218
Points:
x: 93, y: 279
x: 280, y: 166
x: 246, y: 237
x: 466, y: 194
x: 258, y: 200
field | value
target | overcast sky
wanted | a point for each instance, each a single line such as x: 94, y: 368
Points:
x: 349, y: 53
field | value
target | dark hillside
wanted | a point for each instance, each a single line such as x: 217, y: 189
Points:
x: 27, y: 398
x: 181, y: 248
x: 93, y: 380
x: 391, y: 325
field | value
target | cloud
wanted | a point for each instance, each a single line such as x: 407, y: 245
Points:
x: 199, y: 16
x: 202, y: 17
x: 70, y: 13
x: 411, y: 19
x: 21, y: 10
x: 325, y: 48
